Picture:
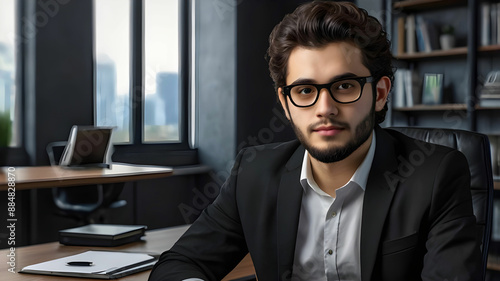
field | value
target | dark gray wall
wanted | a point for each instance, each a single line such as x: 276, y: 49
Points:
x: 258, y: 114
x: 237, y: 105
x: 375, y: 8
x: 215, y: 90
x: 60, y: 95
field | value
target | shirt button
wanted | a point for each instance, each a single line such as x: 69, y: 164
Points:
x: 330, y: 252
x: 334, y: 214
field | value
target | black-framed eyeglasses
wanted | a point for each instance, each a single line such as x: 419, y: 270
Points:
x: 345, y: 90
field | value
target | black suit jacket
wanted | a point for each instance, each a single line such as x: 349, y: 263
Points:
x: 417, y: 220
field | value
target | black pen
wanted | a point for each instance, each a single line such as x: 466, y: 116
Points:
x: 80, y: 263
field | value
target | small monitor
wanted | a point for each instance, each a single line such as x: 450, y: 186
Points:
x: 87, y: 146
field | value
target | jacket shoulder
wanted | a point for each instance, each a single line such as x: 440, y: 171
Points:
x: 272, y: 155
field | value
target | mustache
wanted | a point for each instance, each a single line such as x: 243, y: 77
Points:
x: 328, y: 122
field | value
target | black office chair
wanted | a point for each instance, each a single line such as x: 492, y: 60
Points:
x: 476, y: 148
x: 82, y: 202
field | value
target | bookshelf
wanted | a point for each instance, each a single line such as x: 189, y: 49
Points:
x: 469, y: 58
x: 425, y: 56
x: 465, y: 55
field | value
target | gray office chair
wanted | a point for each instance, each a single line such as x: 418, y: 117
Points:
x: 476, y: 148
x: 82, y: 202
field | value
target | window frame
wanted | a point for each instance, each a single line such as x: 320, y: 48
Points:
x: 124, y: 151
x: 19, y: 59
x: 17, y: 155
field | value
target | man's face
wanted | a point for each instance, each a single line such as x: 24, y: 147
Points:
x: 329, y: 130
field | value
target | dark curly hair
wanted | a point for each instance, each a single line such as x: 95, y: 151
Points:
x: 316, y: 24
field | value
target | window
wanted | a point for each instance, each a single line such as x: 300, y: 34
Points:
x: 112, y: 66
x: 161, y: 85
x: 8, y: 67
x: 139, y: 38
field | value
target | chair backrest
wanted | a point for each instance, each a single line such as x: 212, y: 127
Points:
x: 81, y: 202
x: 55, y: 151
x: 476, y: 148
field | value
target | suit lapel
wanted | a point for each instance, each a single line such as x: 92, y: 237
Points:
x: 288, y: 211
x: 379, y: 192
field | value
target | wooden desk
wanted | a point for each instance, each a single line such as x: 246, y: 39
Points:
x: 156, y: 241
x: 56, y: 176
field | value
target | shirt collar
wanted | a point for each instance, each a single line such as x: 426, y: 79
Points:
x: 360, y: 176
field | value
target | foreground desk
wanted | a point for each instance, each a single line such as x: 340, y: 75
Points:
x: 155, y: 242
x: 56, y: 176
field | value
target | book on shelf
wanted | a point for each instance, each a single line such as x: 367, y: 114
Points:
x: 490, y: 24
x: 489, y: 102
x: 416, y: 34
x: 411, y: 45
x: 489, y: 98
x: 427, y: 35
x: 493, y: 23
x: 401, y: 36
x: 485, y: 24
x: 406, y: 88
x: 421, y: 34
x: 101, y: 235
x: 399, y: 98
x: 490, y: 93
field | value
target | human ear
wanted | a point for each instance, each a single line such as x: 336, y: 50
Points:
x: 383, y: 88
x: 283, y: 102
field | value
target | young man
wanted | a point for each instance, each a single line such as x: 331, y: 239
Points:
x: 338, y: 203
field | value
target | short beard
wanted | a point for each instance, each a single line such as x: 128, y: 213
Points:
x: 335, y: 154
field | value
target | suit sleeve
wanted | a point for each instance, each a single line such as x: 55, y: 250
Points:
x: 453, y: 252
x: 213, y: 245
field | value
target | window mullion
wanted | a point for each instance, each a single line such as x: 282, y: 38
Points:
x: 137, y: 71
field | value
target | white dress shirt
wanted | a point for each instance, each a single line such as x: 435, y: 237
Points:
x: 328, y: 237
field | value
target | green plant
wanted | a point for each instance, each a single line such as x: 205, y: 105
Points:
x: 447, y: 29
x: 5, y: 128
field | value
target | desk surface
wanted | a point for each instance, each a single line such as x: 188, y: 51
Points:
x: 156, y: 241
x: 56, y: 176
